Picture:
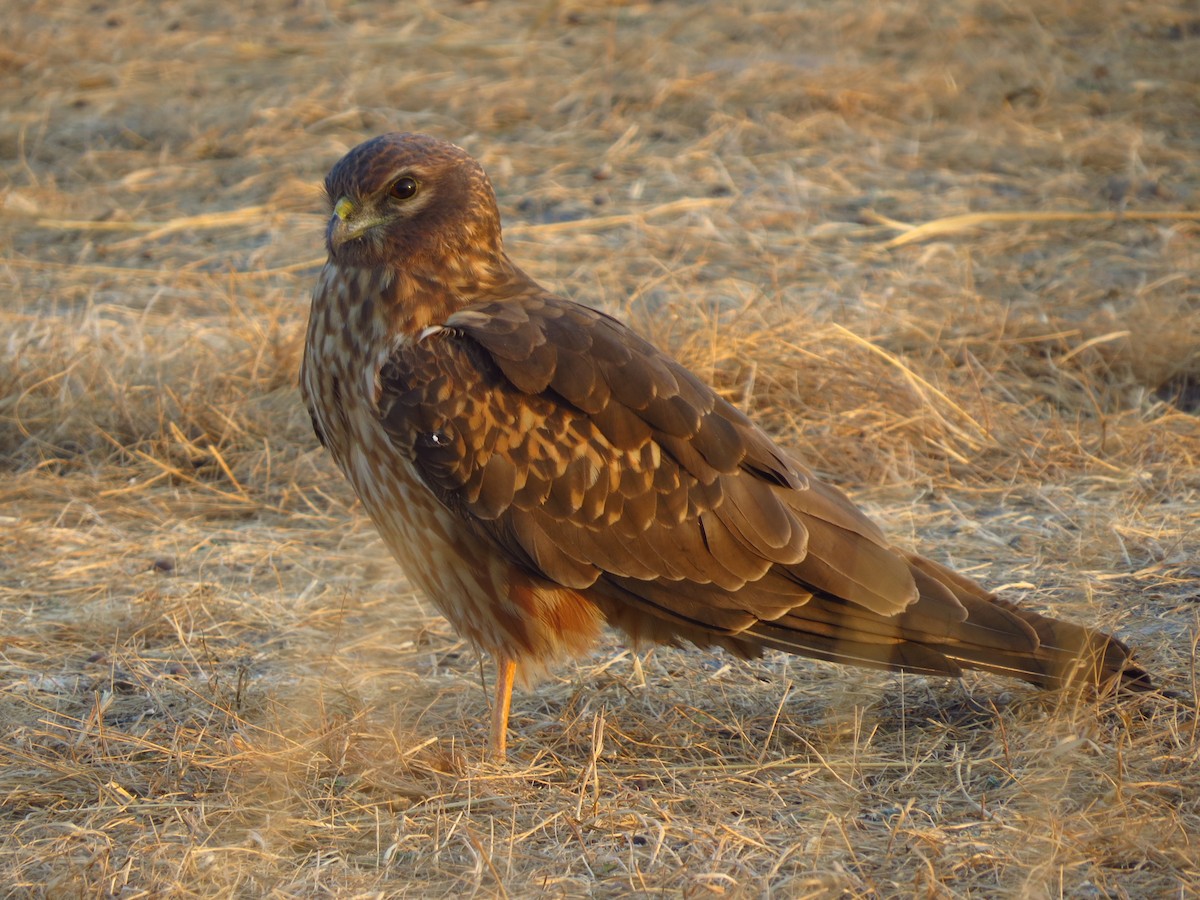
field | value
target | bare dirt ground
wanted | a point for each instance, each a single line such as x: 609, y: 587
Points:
x: 215, y: 683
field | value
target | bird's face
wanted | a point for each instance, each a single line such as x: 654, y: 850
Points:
x: 408, y: 201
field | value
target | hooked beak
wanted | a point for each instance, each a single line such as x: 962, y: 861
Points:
x: 349, y: 222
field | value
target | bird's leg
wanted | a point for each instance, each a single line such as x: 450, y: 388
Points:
x: 506, y: 670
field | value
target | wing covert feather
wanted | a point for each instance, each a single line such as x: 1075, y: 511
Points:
x: 590, y: 458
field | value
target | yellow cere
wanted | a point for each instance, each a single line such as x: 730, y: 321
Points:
x: 343, y: 208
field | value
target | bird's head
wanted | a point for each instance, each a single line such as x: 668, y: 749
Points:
x: 411, y: 201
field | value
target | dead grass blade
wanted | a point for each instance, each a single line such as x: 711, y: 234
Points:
x: 960, y: 224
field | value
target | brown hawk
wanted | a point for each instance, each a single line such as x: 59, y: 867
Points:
x: 539, y: 469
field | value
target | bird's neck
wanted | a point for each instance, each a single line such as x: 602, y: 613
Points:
x: 419, y: 296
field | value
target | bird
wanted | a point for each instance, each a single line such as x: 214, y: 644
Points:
x: 539, y: 470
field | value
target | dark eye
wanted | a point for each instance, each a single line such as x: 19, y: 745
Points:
x: 404, y: 189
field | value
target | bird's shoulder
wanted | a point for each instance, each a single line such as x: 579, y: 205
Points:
x: 543, y: 365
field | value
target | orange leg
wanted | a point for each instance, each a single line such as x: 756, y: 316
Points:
x: 506, y: 670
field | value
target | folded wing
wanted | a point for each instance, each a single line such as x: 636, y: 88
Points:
x: 595, y: 462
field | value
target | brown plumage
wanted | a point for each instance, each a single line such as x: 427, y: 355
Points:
x: 539, y: 469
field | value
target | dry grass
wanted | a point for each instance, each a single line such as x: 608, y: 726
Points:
x: 215, y: 683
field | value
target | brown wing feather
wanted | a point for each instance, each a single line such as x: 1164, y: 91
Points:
x: 584, y: 452
x: 595, y: 462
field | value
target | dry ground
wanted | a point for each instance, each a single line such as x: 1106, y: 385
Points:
x: 214, y: 683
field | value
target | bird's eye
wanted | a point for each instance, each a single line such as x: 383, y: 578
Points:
x: 404, y: 189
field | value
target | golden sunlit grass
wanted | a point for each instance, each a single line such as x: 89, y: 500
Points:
x: 946, y: 251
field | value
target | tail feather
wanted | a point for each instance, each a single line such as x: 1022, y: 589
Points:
x: 954, y: 624
x: 1070, y: 654
x: 1065, y: 654
x: 992, y: 635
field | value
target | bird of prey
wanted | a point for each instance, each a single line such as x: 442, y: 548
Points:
x: 539, y: 469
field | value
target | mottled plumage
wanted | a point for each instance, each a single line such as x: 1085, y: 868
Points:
x: 538, y: 468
